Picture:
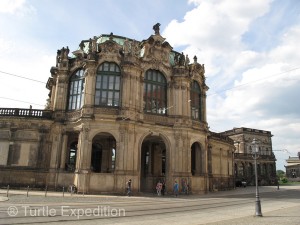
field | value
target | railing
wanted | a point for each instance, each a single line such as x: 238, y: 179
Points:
x: 249, y: 156
x: 35, y: 113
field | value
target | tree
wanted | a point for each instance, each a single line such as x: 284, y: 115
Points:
x: 280, y: 174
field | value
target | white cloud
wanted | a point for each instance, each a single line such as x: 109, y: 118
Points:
x: 263, y: 85
x: 31, y: 66
x: 19, y: 7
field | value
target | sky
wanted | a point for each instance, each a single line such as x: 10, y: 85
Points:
x: 250, y: 49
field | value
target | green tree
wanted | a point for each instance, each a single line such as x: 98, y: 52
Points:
x: 280, y: 174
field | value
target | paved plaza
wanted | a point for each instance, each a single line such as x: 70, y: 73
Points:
x: 225, y: 207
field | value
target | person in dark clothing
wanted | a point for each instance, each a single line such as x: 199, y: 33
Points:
x: 128, y: 186
x: 163, y: 189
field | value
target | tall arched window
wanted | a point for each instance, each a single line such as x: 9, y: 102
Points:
x: 76, y: 90
x: 155, y: 92
x: 108, y: 85
x: 195, y: 101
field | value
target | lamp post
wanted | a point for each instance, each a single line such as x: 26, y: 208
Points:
x: 257, y: 200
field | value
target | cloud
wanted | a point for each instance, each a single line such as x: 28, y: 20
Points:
x: 249, y: 87
x: 19, y: 7
x: 32, y: 66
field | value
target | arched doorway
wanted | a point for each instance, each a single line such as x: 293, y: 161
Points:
x: 196, y: 159
x: 153, y: 162
x: 103, y: 153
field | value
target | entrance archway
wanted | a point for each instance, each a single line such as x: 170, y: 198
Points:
x: 103, y: 153
x: 153, y: 162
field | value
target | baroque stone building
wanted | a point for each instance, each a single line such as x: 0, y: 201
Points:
x: 243, y: 156
x: 119, y: 109
x: 293, y: 168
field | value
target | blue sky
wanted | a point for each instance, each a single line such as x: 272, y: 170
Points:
x: 250, y: 51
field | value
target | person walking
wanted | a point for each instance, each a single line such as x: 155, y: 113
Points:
x: 158, y: 188
x: 128, y: 186
x: 176, y: 188
x: 163, y: 188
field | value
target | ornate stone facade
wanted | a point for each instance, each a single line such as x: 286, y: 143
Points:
x: 243, y: 156
x: 119, y: 109
x: 293, y: 168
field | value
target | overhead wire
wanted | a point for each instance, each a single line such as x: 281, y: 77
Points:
x: 245, y: 84
x: 15, y: 75
x: 228, y: 89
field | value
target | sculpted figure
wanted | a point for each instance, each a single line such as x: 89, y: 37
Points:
x: 156, y: 28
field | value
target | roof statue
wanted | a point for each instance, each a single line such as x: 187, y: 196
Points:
x: 156, y: 28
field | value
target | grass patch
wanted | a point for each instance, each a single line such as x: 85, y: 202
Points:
x: 289, y: 183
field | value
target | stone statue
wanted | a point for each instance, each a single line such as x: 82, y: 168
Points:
x: 156, y: 28
x: 187, y: 60
x: 181, y: 60
x: 126, y: 47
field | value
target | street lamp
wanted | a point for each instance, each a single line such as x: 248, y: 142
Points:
x: 255, y: 156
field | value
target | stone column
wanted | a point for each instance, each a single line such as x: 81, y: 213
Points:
x: 89, y: 84
x: 4, y: 149
x: 64, y: 151
x: 83, y: 161
x: 61, y: 91
x: 55, y: 150
x: 150, y: 160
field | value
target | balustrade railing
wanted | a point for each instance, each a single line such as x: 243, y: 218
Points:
x: 36, y: 113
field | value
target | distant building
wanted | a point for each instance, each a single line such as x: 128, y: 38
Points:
x: 293, y: 168
x: 243, y: 156
x: 119, y: 109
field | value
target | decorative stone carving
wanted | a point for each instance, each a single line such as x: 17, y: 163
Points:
x: 109, y: 47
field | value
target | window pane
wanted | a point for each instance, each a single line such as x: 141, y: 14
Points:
x: 98, y: 82
x: 110, y: 98
x: 106, y: 67
x: 112, y: 67
x: 117, y: 84
x: 116, y: 100
x: 111, y: 83
x: 103, y: 97
x: 104, y: 82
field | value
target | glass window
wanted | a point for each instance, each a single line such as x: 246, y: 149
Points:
x: 155, y: 89
x: 195, y: 101
x: 76, y: 90
x: 108, y: 85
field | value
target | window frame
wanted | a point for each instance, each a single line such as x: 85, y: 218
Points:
x: 76, y: 90
x: 195, y: 101
x: 155, y: 93
x: 108, y: 85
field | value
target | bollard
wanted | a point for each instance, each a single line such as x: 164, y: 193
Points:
x: 27, y: 190
x: 278, y: 186
x: 7, y: 191
x: 46, y: 189
x: 71, y: 190
x: 63, y: 191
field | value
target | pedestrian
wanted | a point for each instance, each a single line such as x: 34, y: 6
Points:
x: 175, y: 188
x: 128, y: 186
x: 158, y: 188
x: 163, y: 188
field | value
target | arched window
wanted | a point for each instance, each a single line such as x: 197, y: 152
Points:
x: 76, y: 90
x: 195, y: 101
x: 155, y: 89
x: 108, y: 85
